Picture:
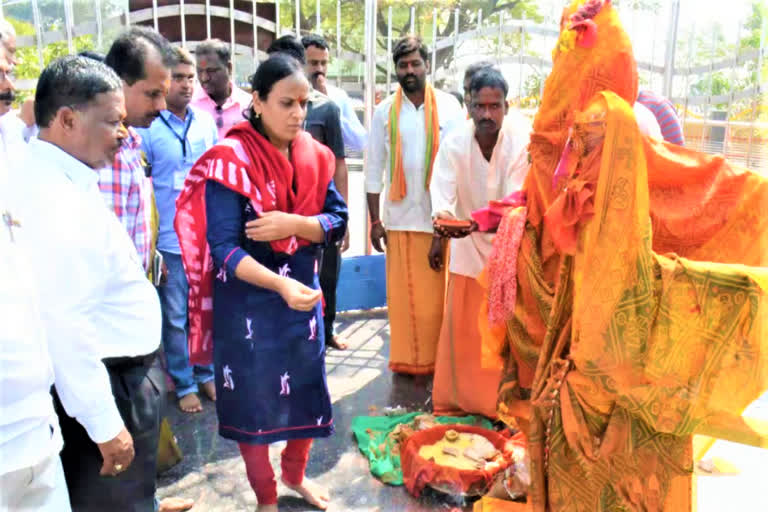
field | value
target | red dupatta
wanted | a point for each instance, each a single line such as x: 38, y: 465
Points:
x: 250, y: 165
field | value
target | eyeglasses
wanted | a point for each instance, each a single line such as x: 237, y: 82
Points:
x: 219, y: 117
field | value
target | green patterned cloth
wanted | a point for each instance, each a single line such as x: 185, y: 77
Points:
x: 386, y: 466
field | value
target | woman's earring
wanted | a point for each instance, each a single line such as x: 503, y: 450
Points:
x: 257, y: 114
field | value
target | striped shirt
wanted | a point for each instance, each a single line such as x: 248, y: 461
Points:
x: 666, y: 115
x: 127, y: 192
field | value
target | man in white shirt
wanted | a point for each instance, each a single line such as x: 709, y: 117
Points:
x: 317, y: 57
x: 406, y: 130
x: 31, y: 475
x: 484, y: 160
x: 96, y: 303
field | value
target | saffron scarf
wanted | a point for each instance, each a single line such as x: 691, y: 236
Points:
x: 397, y: 187
x: 250, y: 165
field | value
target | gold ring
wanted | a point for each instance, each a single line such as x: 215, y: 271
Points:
x: 118, y: 467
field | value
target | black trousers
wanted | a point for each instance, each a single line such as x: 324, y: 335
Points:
x: 138, y: 386
x: 330, y: 266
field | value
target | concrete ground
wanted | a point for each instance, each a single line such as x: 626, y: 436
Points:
x: 213, y: 474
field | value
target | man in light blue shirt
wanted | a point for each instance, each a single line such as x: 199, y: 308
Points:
x: 172, y: 144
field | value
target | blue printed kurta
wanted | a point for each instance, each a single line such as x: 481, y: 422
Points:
x: 269, y: 359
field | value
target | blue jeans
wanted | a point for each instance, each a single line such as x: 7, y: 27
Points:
x: 173, y: 299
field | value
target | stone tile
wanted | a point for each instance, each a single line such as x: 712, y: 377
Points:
x: 213, y: 473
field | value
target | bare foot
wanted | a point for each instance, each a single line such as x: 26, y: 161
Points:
x: 175, y: 505
x: 266, y: 508
x: 314, y: 494
x: 334, y: 342
x: 209, y: 388
x: 190, y: 403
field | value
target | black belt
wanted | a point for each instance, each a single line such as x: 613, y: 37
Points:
x: 117, y: 363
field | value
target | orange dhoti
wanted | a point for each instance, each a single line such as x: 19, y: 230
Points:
x: 415, y: 297
x: 461, y: 385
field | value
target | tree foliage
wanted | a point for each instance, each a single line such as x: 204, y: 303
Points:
x: 353, y: 21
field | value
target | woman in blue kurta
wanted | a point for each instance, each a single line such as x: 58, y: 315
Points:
x: 264, y: 200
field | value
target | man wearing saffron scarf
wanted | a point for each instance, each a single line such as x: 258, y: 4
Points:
x: 404, y: 138
x: 483, y: 160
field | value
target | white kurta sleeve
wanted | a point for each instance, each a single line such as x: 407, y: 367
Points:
x: 376, y: 158
x: 443, y: 186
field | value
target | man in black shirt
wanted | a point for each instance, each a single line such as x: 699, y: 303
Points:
x: 323, y: 122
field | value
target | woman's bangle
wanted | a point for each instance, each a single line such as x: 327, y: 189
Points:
x: 377, y: 221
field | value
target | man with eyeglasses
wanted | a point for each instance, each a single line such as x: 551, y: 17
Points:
x: 172, y: 144
x: 218, y: 94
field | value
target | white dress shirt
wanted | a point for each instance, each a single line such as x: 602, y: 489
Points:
x: 352, y: 131
x: 464, y: 181
x: 414, y: 212
x: 12, y: 139
x: 95, y: 300
x: 29, y: 428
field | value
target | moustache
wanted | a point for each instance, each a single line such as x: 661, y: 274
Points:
x: 318, y: 74
x: 8, y: 96
x: 487, y: 123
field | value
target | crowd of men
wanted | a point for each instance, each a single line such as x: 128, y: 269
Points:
x: 88, y: 229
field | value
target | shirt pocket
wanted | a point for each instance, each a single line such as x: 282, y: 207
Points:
x: 197, y: 148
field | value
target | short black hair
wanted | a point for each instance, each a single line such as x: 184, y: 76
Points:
x: 409, y: 44
x: 71, y: 81
x: 88, y: 54
x: 314, y: 40
x: 128, y: 53
x: 290, y: 45
x: 215, y: 47
x: 489, y: 77
x: 278, y: 66
x: 473, y: 68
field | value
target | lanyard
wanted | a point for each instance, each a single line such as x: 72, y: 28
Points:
x: 183, y: 138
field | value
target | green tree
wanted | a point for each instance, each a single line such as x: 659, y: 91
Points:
x: 353, y: 21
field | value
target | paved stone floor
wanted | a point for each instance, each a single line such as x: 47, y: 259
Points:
x: 213, y: 474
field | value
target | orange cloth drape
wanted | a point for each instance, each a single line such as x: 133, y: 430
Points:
x: 415, y: 298
x: 461, y: 384
x: 639, y: 303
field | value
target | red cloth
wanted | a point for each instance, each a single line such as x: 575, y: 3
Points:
x: 489, y: 217
x: 261, y: 476
x: 418, y: 472
x: 250, y: 165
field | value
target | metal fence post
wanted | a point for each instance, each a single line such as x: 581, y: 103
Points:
x: 154, y: 15
x: 39, y: 33
x: 69, y: 22
x: 99, y: 25
x: 233, y: 50
x: 434, y: 46
x: 370, y: 83
x: 183, y: 23
x: 208, y: 19
x: 318, y: 28
x: 389, y: 50
x: 298, y: 18
x: 255, y: 35
x: 338, y: 42
x: 413, y: 19
x: 669, y: 54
